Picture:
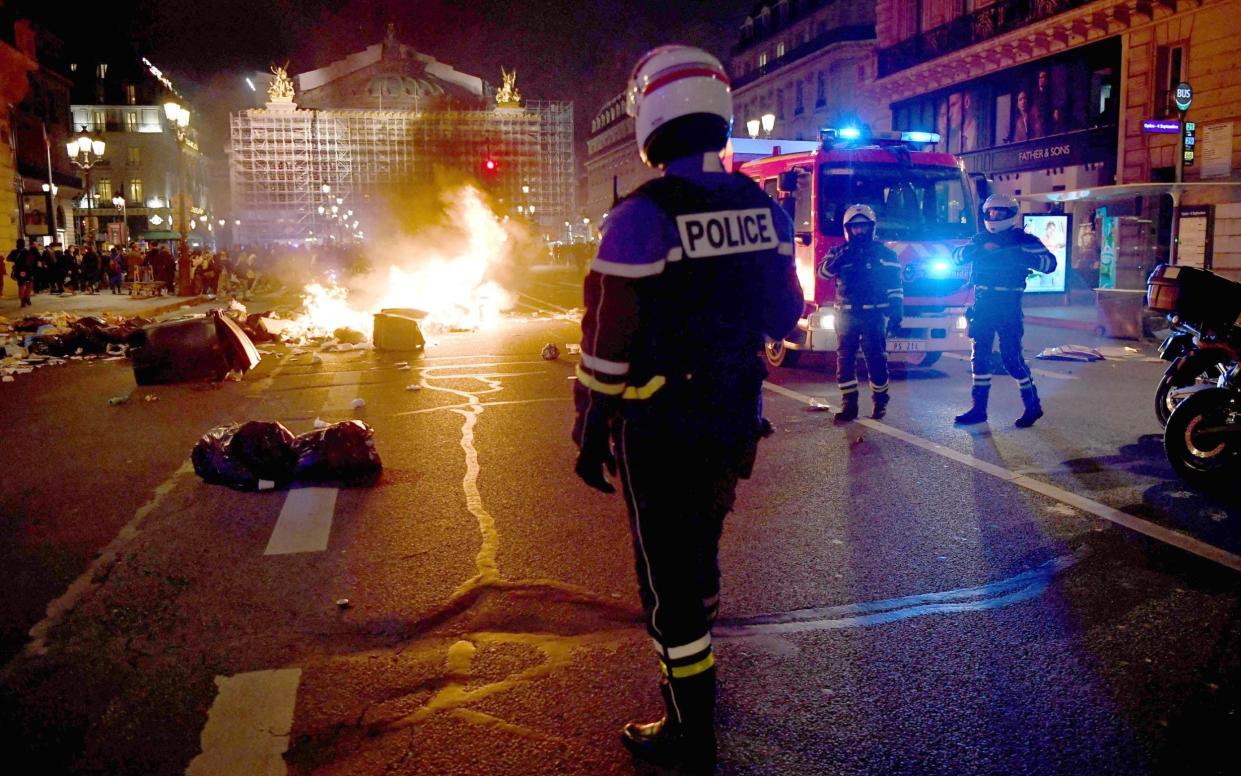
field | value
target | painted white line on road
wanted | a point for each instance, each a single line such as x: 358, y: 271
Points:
x: 546, y: 303
x: 1033, y: 370
x: 96, y: 571
x: 343, y: 391
x: 248, y: 724
x: 1112, y: 515
x: 305, y: 522
x: 480, y: 404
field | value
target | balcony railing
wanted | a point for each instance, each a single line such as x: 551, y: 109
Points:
x: 996, y: 19
x: 818, y: 43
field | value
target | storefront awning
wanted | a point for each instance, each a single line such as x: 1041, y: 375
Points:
x: 161, y: 235
x: 1130, y: 190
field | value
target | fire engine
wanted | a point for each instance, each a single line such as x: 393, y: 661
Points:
x: 926, y: 204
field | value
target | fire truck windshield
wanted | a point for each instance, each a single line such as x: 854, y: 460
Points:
x: 916, y: 202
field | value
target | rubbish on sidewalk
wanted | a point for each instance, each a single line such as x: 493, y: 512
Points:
x: 818, y: 406
x: 397, y: 332
x: 349, y: 336
x: 195, y: 348
x: 115, y: 400
x: 358, y: 404
x: 550, y: 352
x: 1080, y: 353
x: 413, y: 387
x: 573, y: 349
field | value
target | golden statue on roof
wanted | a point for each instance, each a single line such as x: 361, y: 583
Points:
x: 508, y: 96
x: 281, y: 88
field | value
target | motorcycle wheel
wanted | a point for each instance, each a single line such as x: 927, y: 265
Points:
x: 1200, y: 366
x: 1206, y: 460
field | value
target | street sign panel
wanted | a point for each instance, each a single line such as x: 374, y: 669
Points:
x: 1161, y: 127
x: 1184, y: 96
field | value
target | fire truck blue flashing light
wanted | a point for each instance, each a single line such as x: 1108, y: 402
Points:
x: 939, y: 268
x: 920, y: 137
x: 849, y: 133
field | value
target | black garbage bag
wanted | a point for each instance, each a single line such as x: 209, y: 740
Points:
x: 49, y: 345
x: 266, y: 449
x: 216, y: 465
x: 343, y: 451
x: 256, y: 329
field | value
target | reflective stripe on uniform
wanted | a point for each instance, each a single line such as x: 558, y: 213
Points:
x: 693, y: 669
x: 890, y: 263
x: 879, y: 388
x: 996, y: 288
x: 595, y: 384
x: 981, y: 380
x: 618, y: 269
x: 602, y: 365
x: 644, y: 391
x: 1026, y: 383
x: 849, y: 387
x: 685, y: 650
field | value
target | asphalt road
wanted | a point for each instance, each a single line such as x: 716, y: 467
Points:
x: 899, y: 597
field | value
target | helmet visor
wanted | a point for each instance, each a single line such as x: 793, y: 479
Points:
x: 999, y: 213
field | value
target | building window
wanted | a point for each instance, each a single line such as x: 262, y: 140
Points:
x: 1169, y: 70
x: 800, y: 106
x: 762, y: 59
x: 135, y: 156
x: 131, y: 121
x: 779, y: 49
x: 103, y: 190
x: 102, y: 70
x: 131, y: 94
x: 821, y: 94
x: 135, y: 189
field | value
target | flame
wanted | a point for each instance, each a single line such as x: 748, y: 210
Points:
x: 447, y: 281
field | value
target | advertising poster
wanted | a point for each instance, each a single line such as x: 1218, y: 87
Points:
x: 34, y: 215
x: 1053, y: 230
x: 1107, y: 251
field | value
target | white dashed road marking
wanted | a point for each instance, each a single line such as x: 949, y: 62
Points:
x: 1137, y: 524
x: 305, y: 522
x: 248, y: 724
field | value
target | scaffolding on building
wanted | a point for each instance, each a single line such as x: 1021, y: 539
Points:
x: 282, y: 157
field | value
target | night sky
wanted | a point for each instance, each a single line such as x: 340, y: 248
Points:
x: 580, y: 51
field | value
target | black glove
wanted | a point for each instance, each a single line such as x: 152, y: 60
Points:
x: 592, y: 434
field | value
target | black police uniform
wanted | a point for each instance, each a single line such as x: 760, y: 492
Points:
x: 693, y: 269
x: 1001, y: 263
x: 868, y: 287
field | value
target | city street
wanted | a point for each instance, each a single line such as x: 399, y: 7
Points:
x: 902, y: 596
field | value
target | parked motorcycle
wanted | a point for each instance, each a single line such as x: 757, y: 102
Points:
x: 1203, y: 436
x: 1204, y: 308
x: 1195, y: 358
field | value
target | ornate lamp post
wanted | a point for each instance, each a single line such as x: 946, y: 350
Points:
x: 85, y: 152
x: 119, y: 202
x: 179, y: 119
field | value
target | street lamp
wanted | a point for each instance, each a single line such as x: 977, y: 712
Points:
x: 752, y: 126
x: 85, y: 152
x: 51, y: 188
x: 769, y: 122
x: 119, y: 202
x: 179, y: 119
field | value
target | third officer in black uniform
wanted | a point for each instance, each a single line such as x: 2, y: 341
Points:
x: 868, y: 288
x: 693, y: 270
x: 1003, y: 257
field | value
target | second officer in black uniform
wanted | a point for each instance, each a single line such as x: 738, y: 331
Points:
x: 1003, y: 257
x: 868, y: 289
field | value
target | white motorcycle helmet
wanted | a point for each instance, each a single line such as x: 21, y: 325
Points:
x: 1006, y: 215
x: 681, y: 101
x: 859, y: 214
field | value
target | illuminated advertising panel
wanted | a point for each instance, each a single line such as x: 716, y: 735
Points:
x: 1053, y: 230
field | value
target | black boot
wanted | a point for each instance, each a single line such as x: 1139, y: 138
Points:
x: 978, y: 412
x: 1034, y: 410
x: 881, y: 405
x: 684, y: 738
x: 848, y: 408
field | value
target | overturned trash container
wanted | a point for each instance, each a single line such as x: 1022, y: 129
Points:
x: 208, y: 347
x: 397, y: 329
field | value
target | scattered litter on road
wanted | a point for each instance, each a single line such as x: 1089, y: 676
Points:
x: 1081, y: 353
x: 342, y: 603
x: 817, y: 406
x: 150, y: 397
x: 6, y: 379
x: 297, y: 352
x: 233, y: 376
x: 413, y: 387
x: 358, y: 404
x: 266, y: 484
x: 550, y: 352
x: 316, y: 360
x: 321, y: 423
x: 573, y: 349
x: 349, y: 336
x: 115, y: 400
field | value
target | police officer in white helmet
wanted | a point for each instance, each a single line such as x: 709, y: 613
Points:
x: 1002, y: 258
x: 694, y: 268
x: 868, y: 289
